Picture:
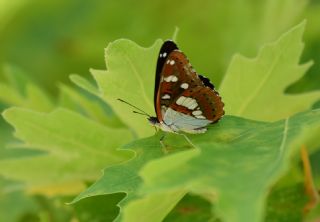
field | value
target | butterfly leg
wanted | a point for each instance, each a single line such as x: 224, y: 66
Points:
x: 156, y: 129
x: 189, y: 141
x: 164, y: 146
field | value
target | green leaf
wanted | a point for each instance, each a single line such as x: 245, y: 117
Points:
x: 21, y: 91
x: 84, y: 84
x: 191, y: 208
x: 135, y: 204
x: 74, y: 148
x: 88, y: 105
x: 153, y: 207
x: 255, y: 88
x: 7, y: 143
x: 315, y: 159
x: 124, y: 178
x: 311, y: 37
x: 13, y: 203
x: 287, y: 198
x: 98, y: 209
x: 130, y: 76
x: 286, y: 204
x: 235, y: 149
x: 234, y: 164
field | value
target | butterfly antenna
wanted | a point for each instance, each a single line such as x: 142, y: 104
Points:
x: 141, y: 111
x: 144, y: 114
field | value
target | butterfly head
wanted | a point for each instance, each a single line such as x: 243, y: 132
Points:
x: 161, y: 125
x: 153, y: 120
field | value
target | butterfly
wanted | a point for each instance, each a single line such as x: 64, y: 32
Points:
x: 184, y: 101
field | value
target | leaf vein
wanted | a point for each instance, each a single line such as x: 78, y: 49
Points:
x: 136, y: 73
x: 262, y: 83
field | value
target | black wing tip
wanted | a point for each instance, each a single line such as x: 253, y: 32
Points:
x: 168, y: 46
x: 169, y: 41
x: 206, y: 81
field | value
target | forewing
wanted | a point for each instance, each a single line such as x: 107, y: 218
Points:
x: 167, y: 47
x: 177, y: 75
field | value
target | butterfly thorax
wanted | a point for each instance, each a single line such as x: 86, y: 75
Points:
x: 161, y: 125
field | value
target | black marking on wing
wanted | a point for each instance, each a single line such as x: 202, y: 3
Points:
x: 206, y: 81
x: 167, y: 47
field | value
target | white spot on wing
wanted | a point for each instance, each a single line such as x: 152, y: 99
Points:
x: 164, y: 54
x: 190, y: 102
x: 174, y: 79
x: 197, y: 112
x: 166, y: 96
x: 184, y: 85
x: 168, y: 78
x: 193, y: 106
x: 186, y: 101
x: 171, y: 78
x: 200, y: 117
x: 180, y: 100
x: 172, y: 62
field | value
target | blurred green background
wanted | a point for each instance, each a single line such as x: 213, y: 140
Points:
x: 48, y: 40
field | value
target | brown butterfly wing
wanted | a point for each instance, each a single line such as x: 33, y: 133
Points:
x: 176, y: 71
x: 206, y: 103
x: 178, y: 80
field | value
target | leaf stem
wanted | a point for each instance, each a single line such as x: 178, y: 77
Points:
x: 310, y: 189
